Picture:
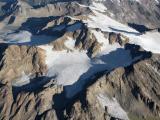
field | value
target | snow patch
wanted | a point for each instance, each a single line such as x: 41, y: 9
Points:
x: 22, y: 36
x: 149, y: 41
x: 22, y: 80
x: 114, y: 108
x: 70, y: 43
x: 26, y: 38
x: 107, y: 24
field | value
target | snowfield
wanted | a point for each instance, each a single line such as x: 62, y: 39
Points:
x: 149, y: 41
x: 65, y: 66
x: 75, y: 68
x: 105, y: 23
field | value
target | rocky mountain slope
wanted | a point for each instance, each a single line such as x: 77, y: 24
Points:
x: 79, y: 59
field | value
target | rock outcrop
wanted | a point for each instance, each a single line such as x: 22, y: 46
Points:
x: 119, y: 38
x: 21, y: 59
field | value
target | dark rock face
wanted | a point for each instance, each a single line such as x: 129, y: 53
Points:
x: 119, y: 38
x: 145, y: 12
x: 31, y: 105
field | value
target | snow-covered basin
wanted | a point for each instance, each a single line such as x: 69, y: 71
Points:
x: 74, y: 69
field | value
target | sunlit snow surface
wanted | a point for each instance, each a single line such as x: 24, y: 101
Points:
x: 149, y: 41
x: 74, y: 68
x: 67, y: 67
x: 105, y: 23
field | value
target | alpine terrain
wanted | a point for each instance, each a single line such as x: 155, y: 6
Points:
x: 79, y: 59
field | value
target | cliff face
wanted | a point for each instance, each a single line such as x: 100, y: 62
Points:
x: 79, y: 60
x: 132, y: 86
x: 21, y: 59
x: 143, y: 12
